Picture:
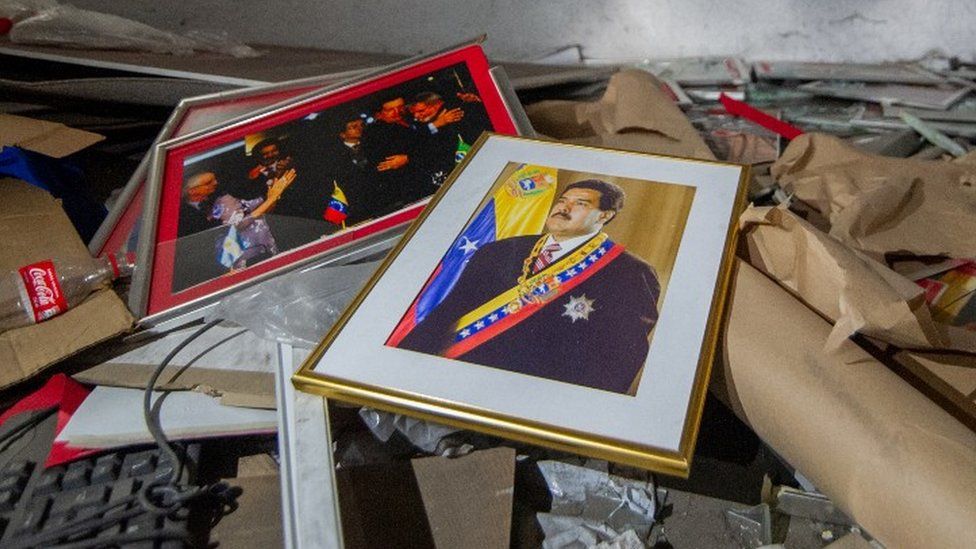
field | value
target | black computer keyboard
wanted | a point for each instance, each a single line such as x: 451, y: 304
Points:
x: 94, y: 502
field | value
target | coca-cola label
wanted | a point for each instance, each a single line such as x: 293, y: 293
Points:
x: 43, y: 290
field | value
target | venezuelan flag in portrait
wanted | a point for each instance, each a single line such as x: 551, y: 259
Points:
x: 338, y: 208
x: 519, y: 207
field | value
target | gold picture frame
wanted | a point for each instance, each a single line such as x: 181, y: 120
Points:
x: 646, y: 415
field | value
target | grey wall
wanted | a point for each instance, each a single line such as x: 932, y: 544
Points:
x: 829, y: 30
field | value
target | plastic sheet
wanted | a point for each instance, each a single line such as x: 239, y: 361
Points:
x: 579, y: 533
x: 297, y: 308
x: 599, y: 498
x: 751, y: 528
x: 422, y: 434
x: 68, y: 26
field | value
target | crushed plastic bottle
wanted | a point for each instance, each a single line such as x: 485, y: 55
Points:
x: 44, y: 289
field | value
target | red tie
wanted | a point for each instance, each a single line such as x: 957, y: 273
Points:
x: 545, y: 257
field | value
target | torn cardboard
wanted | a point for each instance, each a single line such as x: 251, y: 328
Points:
x: 860, y: 433
x: 634, y: 115
x: 856, y: 292
x: 257, y: 520
x: 468, y: 500
x: 381, y: 506
x: 881, y: 204
x: 35, y: 228
x: 227, y: 362
x: 48, y: 138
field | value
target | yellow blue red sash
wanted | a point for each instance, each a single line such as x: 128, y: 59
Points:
x: 514, y: 305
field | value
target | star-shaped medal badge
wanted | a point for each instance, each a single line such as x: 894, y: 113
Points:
x: 578, y: 308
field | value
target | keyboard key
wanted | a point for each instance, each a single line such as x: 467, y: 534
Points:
x: 50, y: 481
x: 138, y: 464
x: 19, y: 468
x: 106, y: 469
x: 120, y: 491
x: 14, y: 483
x: 140, y: 524
x: 93, y: 495
x: 76, y: 476
x: 8, y: 498
x: 34, y: 516
x: 86, y: 513
x: 163, y: 473
x: 55, y: 521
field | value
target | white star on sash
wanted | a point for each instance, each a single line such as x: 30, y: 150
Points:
x: 469, y: 245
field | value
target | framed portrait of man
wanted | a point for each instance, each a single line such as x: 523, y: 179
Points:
x: 332, y: 175
x: 561, y: 295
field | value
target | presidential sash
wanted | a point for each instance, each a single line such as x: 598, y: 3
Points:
x: 529, y: 296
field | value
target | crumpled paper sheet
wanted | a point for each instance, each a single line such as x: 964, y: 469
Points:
x: 889, y: 457
x: 853, y: 290
x: 880, y: 204
x: 634, y: 114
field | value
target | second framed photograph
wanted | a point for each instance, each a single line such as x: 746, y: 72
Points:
x: 316, y: 178
x: 561, y: 295
x: 119, y: 232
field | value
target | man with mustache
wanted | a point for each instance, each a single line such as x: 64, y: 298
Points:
x: 569, y: 305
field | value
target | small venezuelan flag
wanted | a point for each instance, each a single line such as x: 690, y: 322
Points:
x: 338, y: 208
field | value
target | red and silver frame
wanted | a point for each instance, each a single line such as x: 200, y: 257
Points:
x: 151, y: 298
x: 192, y: 115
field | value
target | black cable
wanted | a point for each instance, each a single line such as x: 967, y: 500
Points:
x: 152, y: 423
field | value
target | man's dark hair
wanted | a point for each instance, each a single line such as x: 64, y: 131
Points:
x: 256, y: 149
x: 344, y: 124
x: 427, y: 97
x: 611, y: 196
